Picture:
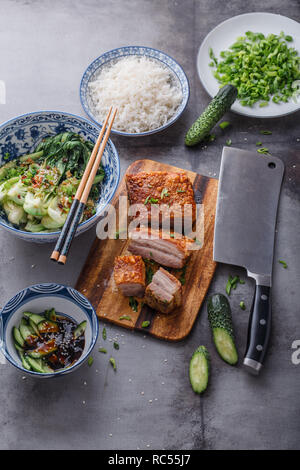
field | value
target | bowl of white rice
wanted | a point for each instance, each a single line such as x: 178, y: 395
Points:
x: 149, y: 88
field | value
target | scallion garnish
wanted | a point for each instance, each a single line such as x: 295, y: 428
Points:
x: 133, y: 304
x: 113, y: 363
x: 125, y: 317
x: 263, y: 150
x: 262, y: 68
x: 283, y: 263
x: 224, y: 124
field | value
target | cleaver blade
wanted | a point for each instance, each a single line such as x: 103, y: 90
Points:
x: 248, y: 195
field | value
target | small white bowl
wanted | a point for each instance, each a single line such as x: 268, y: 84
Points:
x: 112, y: 56
x: 38, y: 298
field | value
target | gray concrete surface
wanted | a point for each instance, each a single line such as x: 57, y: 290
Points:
x: 44, y: 49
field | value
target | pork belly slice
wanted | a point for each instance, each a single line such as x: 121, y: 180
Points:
x: 130, y: 275
x: 164, y: 293
x: 155, y: 245
x: 162, y: 188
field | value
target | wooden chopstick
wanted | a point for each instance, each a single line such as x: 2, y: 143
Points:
x: 59, y: 244
x: 84, y: 197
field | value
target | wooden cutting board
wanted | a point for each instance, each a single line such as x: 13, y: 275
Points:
x: 96, y: 279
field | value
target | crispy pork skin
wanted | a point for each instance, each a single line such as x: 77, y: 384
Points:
x: 163, y: 189
x: 164, y: 293
x: 154, y: 244
x: 130, y: 275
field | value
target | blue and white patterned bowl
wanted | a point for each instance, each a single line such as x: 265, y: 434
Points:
x: 37, y: 298
x: 93, y: 70
x: 23, y: 133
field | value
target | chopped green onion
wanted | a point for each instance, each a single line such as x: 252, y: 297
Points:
x: 266, y: 132
x: 258, y: 143
x: 90, y: 361
x: 283, y: 263
x: 164, y: 193
x: 260, y: 67
x: 116, y: 345
x: 228, y: 142
x: 125, y: 317
x: 242, y: 305
x: 102, y: 350
x: 133, y: 304
x: 263, y: 150
x: 232, y: 283
x: 104, y: 333
x: 151, y: 200
x: 113, y: 363
x: 145, y: 324
x: 224, y: 124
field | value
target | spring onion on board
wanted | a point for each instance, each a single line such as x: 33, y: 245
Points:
x: 262, y: 68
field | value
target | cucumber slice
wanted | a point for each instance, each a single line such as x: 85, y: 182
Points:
x: 50, y: 314
x: 34, y: 317
x: 18, y: 347
x: 48, y: 326
x: 47, y: 369
x: 225, y: 346
x: 25, y: 329
x: 18, y: 337
x: 220, y: 319
x: 35, y: 364
x: 24, y: 361
x: 44, y: 350
x: 80, y: 329
x: 33, y: 325
x: 199, y: 369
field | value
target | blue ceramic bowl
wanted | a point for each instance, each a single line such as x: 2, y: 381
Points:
x: 66, y: 301
x: 94, y: 69
x: 23, y: 133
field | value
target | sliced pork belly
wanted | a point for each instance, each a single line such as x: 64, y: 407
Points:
x: 164, y: 189
x: 130, y: 275
x: 164, y: 293
x: 155, y: 245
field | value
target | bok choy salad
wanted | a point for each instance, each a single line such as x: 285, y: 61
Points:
x: 37, y: 189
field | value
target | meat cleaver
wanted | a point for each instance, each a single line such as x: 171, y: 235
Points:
x: 248, y: 195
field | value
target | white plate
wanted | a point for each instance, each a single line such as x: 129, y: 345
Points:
x: 225, y: 34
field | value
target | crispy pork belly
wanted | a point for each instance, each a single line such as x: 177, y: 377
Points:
x: 164, y: 189
x: 154, y: 244
x: 164, y: 293
x: 130, y: 275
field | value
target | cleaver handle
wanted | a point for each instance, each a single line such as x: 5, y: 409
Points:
x: 259, y: 329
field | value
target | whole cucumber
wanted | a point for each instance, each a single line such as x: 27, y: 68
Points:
x: 216, y: 109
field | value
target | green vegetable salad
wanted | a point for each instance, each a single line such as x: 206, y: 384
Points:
x: 262, y: 68
x: 37, y: 190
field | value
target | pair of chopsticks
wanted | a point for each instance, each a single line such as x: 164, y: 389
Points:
x: 68, y: 231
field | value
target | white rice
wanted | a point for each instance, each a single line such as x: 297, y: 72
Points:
x: 142, y: 89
